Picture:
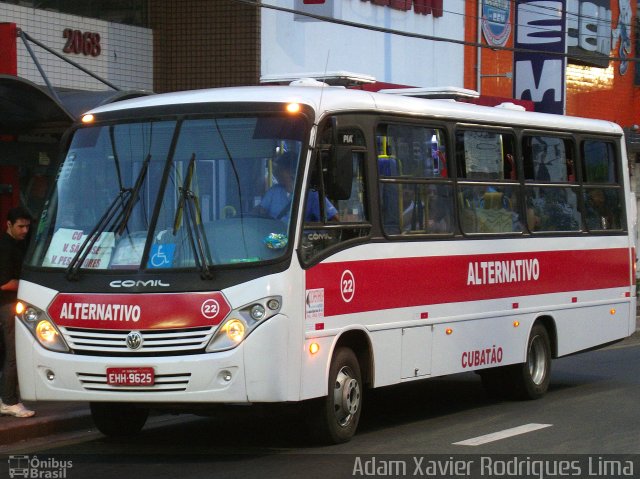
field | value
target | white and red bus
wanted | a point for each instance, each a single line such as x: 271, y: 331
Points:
x: 413, y: 238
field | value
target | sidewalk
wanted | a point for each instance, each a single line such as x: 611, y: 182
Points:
x: 51, y: 418
x: 57, y: 417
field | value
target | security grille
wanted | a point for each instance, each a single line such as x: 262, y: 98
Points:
x: 164, y: 342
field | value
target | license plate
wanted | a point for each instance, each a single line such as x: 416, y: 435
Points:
x: 130, y: 376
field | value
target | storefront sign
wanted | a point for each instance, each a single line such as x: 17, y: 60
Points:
x: 540, y: 74
x: 496, y: 21
x: 323, y: 8
x: 622, y: 34
x: 85, y: 43
x: 422, y: 7
x: 589, y: 32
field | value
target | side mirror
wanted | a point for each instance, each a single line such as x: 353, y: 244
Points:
x: 339, y: 173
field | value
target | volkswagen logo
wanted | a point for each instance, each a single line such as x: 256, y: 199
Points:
x: 134, y: 340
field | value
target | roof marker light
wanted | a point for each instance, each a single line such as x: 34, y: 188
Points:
x: 293, y: 107
x: 87, y: 118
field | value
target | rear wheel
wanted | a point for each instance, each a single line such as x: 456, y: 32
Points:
x: 531, y: 378
x: 335, y: 417
x: 528, y: 380
x: 118, y: 419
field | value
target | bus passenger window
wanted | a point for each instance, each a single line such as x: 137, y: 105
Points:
x: 602, y: 195
x: 552, y: 208
x: 415, y: 194
x: 427, y: 208
x: 489, y: 209
x: 488, y: 193
x: 602, y: 208
x: 552, y: 196
x: 548, y: 159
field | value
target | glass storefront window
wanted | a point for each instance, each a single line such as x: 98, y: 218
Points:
x: 129, y: 12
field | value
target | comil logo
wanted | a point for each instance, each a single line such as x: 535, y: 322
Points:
x: 129, y: 283
x: 35, y: 467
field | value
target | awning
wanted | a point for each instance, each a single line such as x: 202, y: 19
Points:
x: 26, y: 107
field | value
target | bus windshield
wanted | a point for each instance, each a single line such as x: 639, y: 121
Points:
x: 171, y: 194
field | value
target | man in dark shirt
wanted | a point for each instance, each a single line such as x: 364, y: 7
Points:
x: 12, y: 250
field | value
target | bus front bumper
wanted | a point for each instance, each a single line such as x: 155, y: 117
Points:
x: 199, y: 378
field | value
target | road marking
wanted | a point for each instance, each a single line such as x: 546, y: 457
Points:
x: 496, y: 436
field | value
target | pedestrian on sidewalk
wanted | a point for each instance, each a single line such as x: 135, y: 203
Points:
x: 13, y: 246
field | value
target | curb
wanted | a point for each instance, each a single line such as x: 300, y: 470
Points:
x: 50, y: 419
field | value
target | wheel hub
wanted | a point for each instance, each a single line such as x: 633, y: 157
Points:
x: 346, y: 396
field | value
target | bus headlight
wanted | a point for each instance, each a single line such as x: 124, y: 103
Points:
x: 42, y: 328
x: 242, y: 321
x: 234, y: 329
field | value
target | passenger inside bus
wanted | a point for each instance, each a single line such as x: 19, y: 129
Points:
x: 552, y: 209
x: 426, y: 209
x: 600, y: 212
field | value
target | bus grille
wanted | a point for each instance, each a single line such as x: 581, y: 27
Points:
x: 154, y: 342
x: 163, y: 383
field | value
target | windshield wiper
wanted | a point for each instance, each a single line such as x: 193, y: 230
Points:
x: 116, y: 216
x: 134, y: 193
x: 189, y: 208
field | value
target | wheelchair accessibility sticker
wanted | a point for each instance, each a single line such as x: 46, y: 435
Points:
x: 161, y: 255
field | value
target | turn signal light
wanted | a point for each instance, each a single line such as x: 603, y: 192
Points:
x: 314, y: 348
x: 20, y: 307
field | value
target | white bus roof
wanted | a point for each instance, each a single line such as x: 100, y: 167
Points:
x: 330, y: 100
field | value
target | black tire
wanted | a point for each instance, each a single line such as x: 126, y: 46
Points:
x: 531, y: 378
x: 118, y: 419
x: 335, y: 418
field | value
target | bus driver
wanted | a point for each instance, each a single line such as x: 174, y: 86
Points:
x: 276, y: 202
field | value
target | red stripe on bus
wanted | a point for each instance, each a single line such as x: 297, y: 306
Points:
x: 371, y: 285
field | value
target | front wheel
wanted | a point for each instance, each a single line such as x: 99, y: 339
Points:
x: 118, y: 419
x: 335, y: 417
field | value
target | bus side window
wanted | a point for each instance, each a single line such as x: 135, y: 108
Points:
x: 602, y: 195
x: 415, y: 193
x: 551, y: 196
x: 488, y: 190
